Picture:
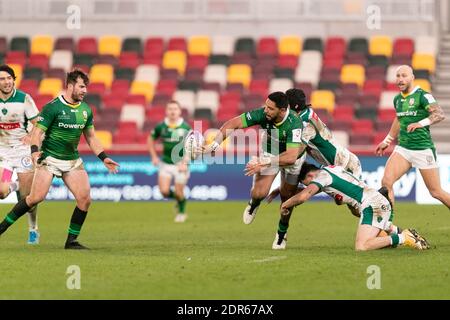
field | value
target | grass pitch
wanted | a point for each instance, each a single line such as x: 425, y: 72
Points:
x: 138, y: 252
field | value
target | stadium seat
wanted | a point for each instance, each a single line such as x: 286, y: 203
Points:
x: 175, y: 60
x: 97, y: 87
x: 105, y: 138
x: 313, y: 44
x: 423, y: 83
x: 260, y: 86
x: 387, y: 114
x: 110, y: 45
x: 65, y: 43
x: 323, y: 99
x: 133, y: 113
x: 391, y: 73
x: 380, y: 45
x: 426, y: 45
x: 38, y: 61
x: 102, y: 73
x: 336, y: 45
x: 42, y: 99
x: 362, y: 126
x: 199, y: 45
x: 207, y: 99
x: 147, y: 72
x: 132, y: 45
x: 424, y: 61
x: 219, y: 59
x: 358, y: 45
x: 308, y: 69
x: 51, y: 86
x: 3, y: 46
x: 16, y: 57
x: 267, y: 46
x: 353, y: 73
x: 61, y: 59
x: 42, y: 44
x: 422, y: 74
x: 203, y: 113
x: 186, y: 99
x: 30, y: 86
x: 287, y: 61
x: 33, y: 73
x: 245, y: 45
x: 83, y: 59
x: 93, y: 100
x: 169, y: 74
x: 362, y: 139
x: 189, y: 85
x: 143, y: 87
x: 387, y: 99
x: 280, y: 84
x: 20, y: 44
x: 129, y: 59
x: 154, y: 47
x: 222, y: 45
x: 239, y: 73
x: 177, y: 44
x: 197, y: 62
x: 87, y: 45
x: 290, y: 44
x: 195, y: 75
x: 403, y: 46
x: 124, y: 74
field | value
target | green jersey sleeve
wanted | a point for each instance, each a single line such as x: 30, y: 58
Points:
x: 46, y: 117
x: 253, y: 117
x: 156, y: 132
x: 426, y: 100
x: 90, y: 120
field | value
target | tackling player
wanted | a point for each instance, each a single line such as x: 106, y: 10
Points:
x: 375, y: 209
x: 172, y: 132
x: 18, y: 115
x: 63, y: 120
x: 416, y: 111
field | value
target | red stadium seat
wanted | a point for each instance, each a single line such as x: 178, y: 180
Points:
x: 113, y: 101
x: 197, y: 62
x: 154, y: 47
x: 38, y: 61
x: 42, y: 99
x: 97, y: 87
x: 403, y: 46
x: 155, y: 114
x: 16, y: 57
x: 129, y: 59
x: 30, y: 86
x: 120, y: 87
x: 267, y: 46
x: 177, y: 43
x: 362, y: 126
x: 386, y: 114
x: 287, y: 61
x: 87, y: 45
x: 166, y: 86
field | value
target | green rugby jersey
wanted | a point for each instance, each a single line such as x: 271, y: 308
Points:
x: 410, y: 109
x: 279, y: 136
x: 63, y: 124
x: 172, y: 137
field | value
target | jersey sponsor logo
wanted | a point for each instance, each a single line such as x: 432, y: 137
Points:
x: 248, y: 116
x: 407, y: 113
x: 429, y: 98
x: 297, y: 135
x: 9, y: 126
x: 70, y: 126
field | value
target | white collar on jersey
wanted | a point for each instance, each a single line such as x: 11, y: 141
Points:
x: 178, y: 123
x: 410, y: 93
x: 284, y: 119
x: 61, y: 98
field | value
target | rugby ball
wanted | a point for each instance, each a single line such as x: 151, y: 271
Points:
x: 192, y: 144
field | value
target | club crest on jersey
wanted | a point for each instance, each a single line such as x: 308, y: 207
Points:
x: 4, y: 111
x: 85, y: 115
x: 27, y: 162
x: 411, y: 101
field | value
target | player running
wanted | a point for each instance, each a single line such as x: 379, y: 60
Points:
x: 283, y: 131
x: 375, y: 209
x: 416, y: 111
x: 63, y: 120
x: 173, y: 164
x: 18, y: 115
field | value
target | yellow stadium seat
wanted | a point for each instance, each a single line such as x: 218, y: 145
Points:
x: 143, y: 87
x: 51, y: 86
x: 110, y: 45
x: 423, y: 83
x: 103, y: 73
x: 42, y: 45
x: 174, y: 59
x: 424, y: 61
x: 105, y: 138
x: 239, y: 73
x: 290, y: 45
x: 380, y: 45
x: 323, y: 99
x: 18, y: 71
x: 199, y: 45
x: 353, y: 73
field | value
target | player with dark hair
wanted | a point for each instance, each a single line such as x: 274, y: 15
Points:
x: 375, y: 209
x: 173, y: 164
x: 63, y: 120
x: 17, y: 118
x: 282, y: 135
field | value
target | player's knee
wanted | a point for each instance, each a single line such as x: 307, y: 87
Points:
x: 33, y: 200
x: 387, y: 181
x: 259, y: 194
x: 179, y: 194
x: 84, y: 202
x: 437, y: 193
x: 165, y: 193
x: 360, y: 246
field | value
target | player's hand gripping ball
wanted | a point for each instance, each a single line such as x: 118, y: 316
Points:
x: 193, y: 144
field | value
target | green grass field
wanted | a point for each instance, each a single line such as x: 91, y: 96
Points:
x: 138, y: 252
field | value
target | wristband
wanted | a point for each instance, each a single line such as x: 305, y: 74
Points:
x: 34, y: 148
x: 102, y: 156
x: 425, y: 122
x: 388, y: 139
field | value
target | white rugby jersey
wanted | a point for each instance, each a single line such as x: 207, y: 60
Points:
x: 337, y: 182
x: 15, y: 114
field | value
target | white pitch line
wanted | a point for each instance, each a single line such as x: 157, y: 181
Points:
x: 269, y: 259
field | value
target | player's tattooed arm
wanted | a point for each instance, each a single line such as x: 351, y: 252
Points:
x: 436, y: 113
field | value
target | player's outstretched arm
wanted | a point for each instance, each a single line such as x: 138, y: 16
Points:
x: 393, y: 133
x: 299, y: 198
x: 436, y: 116
x: 224, y: 131
x: 98, y: 150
